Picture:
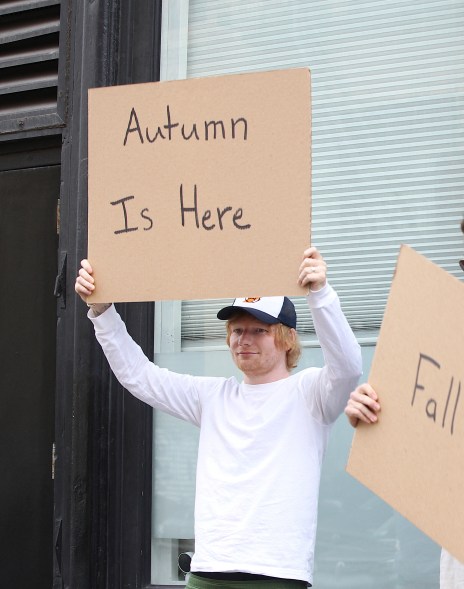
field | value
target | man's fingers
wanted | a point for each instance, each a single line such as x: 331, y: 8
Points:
x: 362, y: 405
x: 313, y: 269
x: 85, y: 264
x: 360, y: 411
x: 366, y: 389
x: 357, y: 398
x: 311, y: 273
x: 84, y: 275
x: 83, y: 287
x: 85, y: 282
x: 312, y: 252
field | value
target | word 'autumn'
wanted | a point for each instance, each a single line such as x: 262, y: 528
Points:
x: 440, y: 405
x: 171, y: 129
x: 207, y: 219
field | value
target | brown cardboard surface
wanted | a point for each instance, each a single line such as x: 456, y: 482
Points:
x: 254, y: 178
x: 413, y: 457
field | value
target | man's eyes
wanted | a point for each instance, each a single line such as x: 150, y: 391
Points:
x: 254, y: 331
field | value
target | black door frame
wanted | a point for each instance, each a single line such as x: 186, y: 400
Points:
x: 103, y: 435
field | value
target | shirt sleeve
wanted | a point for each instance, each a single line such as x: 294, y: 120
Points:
x: 176, y: 394
x: 328, y: 391
x: 451, y: 572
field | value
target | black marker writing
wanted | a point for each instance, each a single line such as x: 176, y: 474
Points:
x: 149, y: 219
x: 131, y: 129
x: 122, y: 201
x: 207, y: 215
x: 143, y: 214
x: 171, y: 130
x: 434, y: 403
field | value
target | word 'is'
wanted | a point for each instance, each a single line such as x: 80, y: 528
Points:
x: 208, y: 219
x: 171, y: 129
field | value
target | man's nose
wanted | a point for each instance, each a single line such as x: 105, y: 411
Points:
x: 245, y: 337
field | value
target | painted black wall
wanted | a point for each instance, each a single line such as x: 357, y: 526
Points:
x: 103, y: 435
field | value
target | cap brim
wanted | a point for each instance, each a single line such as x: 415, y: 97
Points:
x: 228, y: 312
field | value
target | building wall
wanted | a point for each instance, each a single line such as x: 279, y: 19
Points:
x: 387, y: 169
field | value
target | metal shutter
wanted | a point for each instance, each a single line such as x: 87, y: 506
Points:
x: 388, y: 131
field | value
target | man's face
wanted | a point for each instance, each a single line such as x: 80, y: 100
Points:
x: 254, y: 351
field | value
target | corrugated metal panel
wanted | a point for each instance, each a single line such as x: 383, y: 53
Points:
x: 388, y: 130
x: 29, y: 52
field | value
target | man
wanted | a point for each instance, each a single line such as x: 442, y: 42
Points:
x: 364, y: 405
x: 262, y: 440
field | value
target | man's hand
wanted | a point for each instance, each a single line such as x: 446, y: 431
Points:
x: 363, y: 405
x: 313, y: 270
x: 85, y: 285
x: 85, y: 282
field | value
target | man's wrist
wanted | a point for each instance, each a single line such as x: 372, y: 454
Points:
x: 98, y: 308
x: 322, y: 297
x: 316, y: 286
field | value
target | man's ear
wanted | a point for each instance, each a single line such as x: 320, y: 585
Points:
x: 293, y: 334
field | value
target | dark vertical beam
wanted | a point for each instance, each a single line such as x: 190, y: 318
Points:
x: 139, y: 42
x: 103, y: 467
x: 138, y: 61
x: 79, y: 366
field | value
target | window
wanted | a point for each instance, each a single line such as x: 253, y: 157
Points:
x: 388, y: 145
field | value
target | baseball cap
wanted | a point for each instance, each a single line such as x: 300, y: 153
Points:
x: 266, y: 309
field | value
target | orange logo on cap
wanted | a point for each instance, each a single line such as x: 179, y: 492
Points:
x: 252, y: 299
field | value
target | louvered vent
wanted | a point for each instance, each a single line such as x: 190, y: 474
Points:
x: 29, y: 47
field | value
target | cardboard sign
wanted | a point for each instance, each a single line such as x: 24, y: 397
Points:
x: 200, y: 188
x: 413, y: 457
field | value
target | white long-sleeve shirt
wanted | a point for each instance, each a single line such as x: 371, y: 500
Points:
x: 451, y: 572
x: 261, y: 446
